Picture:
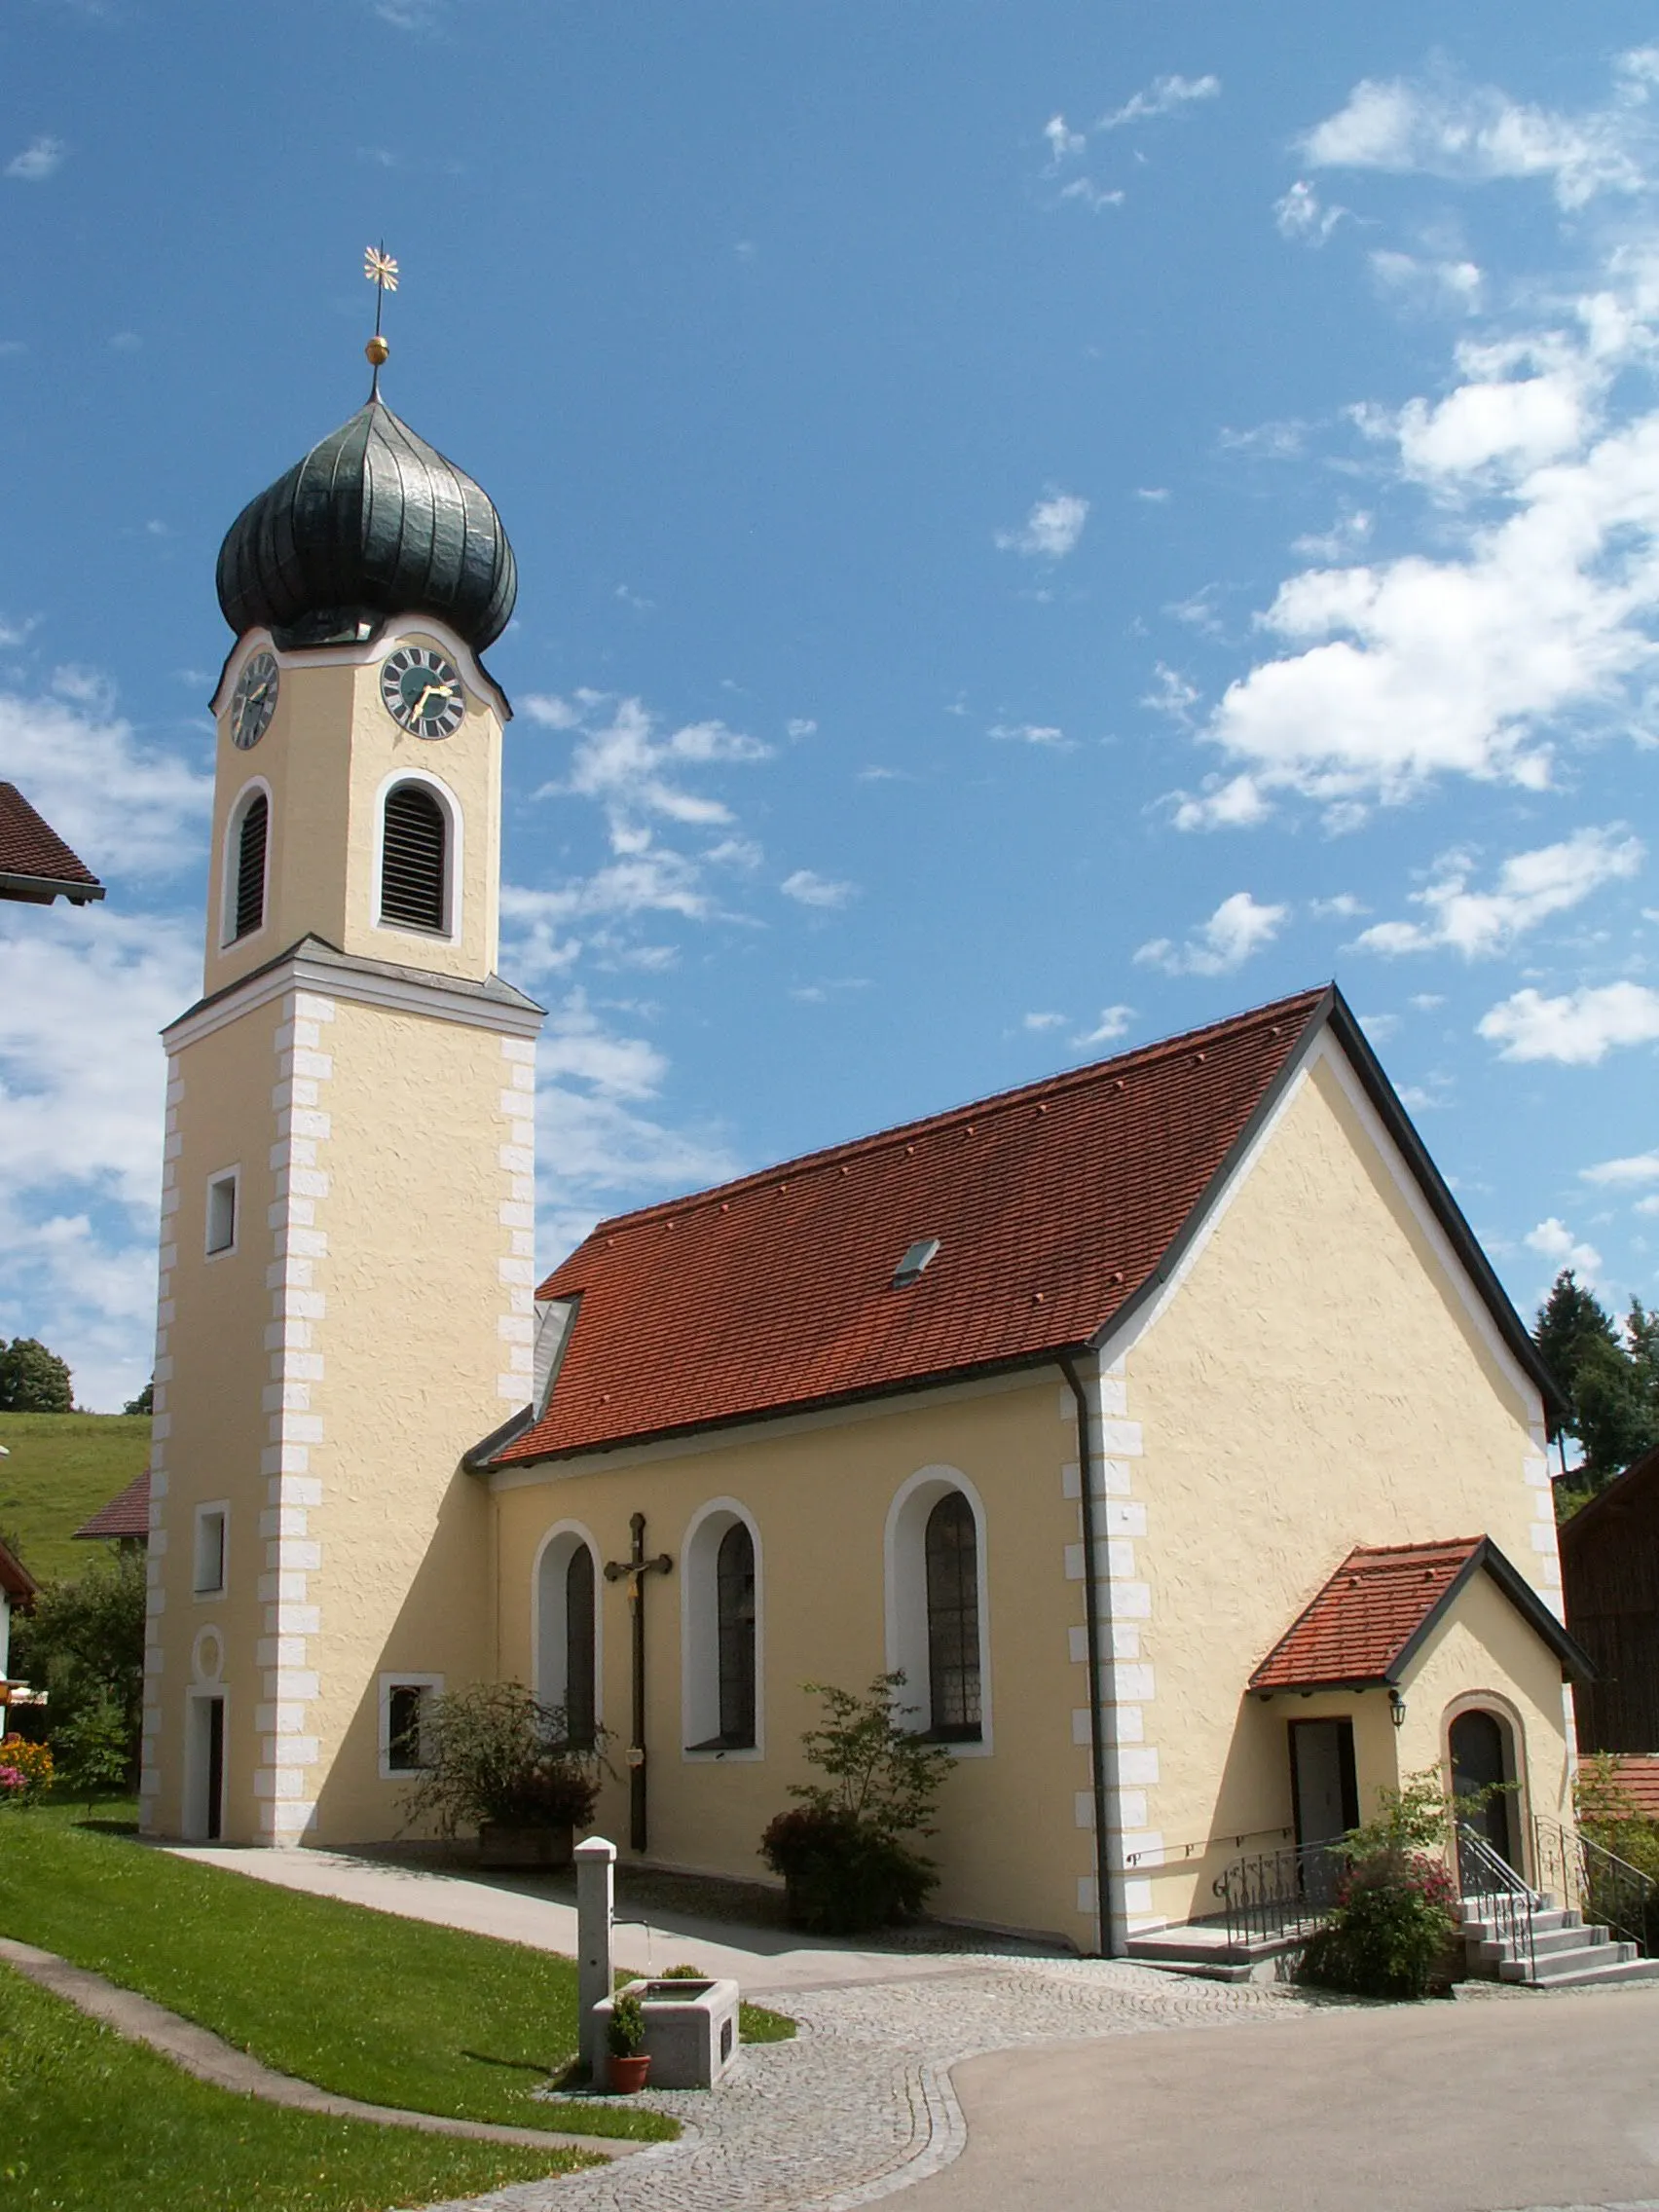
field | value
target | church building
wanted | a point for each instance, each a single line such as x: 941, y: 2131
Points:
x: 1163, y: 1422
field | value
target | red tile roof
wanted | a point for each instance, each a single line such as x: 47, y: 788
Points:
x: 127, y: 1515
x: 1357, y: 1628
x: 1638, y: 1782
x: 1054, y: 1205
x: 35, y: 864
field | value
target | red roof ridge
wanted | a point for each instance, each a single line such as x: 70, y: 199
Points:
x: 1299, y: 1005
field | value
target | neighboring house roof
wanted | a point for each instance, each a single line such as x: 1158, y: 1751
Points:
x: 1599, y: 1515
x: 127, y: 1515
x: 1368, y: 1621
x: 15, y: 1581
x: 1638, y: 1782
x: 36, y: 865
x: 1058, y: 1208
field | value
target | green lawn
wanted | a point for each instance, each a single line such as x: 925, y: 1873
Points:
x: 89, y: 2120
x: 389, y: 2011
x: 62, y: 1467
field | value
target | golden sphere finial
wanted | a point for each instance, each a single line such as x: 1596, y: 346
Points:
x: 377, y: 351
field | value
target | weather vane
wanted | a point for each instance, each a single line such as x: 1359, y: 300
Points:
x: 382, y: 272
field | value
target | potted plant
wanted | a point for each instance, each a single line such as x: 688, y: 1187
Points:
x: 494, y: 1757
x: 627, y: 2060
x: 848, y: 1852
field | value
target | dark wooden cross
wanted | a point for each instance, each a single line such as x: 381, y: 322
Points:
x: 635, y: 1567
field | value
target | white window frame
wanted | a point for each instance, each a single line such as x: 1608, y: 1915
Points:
x: 547, y: 1637
x: 904, y: 1550
x: 450, y: 933
x: 216, y: 1181
x: 404, y: 1678
x: 699, y: 1633
x: 216, y: 1508
x: 228, y: 867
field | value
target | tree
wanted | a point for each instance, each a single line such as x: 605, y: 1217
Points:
x: 33, y: 1380
x: 84, y: 1643
x: 144, y: 1402
x: 1610, y: 1380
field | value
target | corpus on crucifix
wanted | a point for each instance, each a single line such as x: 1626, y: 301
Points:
x: 635, y: 1567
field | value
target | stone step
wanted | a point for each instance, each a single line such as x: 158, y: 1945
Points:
x: 1556, y: 1967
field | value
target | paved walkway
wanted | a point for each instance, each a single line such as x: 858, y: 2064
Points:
x: 765, y: 1961
x: 199, y: 2051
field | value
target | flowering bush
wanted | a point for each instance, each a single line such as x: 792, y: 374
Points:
x: 25, y: 1771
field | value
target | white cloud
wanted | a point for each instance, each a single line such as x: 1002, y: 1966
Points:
x: 127, y: 809
x: 1554, y: 1242
x: 1635, y: 1167
x: 798, y: 726
x: 1092, y: 195
x: 1430, y: 284
x: 1342, y: 907
x: 1578, y: 1029
x: 40, y: 158
x: 1477, y: 133
x: 1267, y: 441
x: 1531, y: 888
x: 1302, y: 216
x: 1064, y: 143
x: 1239, y: 926
x: 1113, y: 1022
x: 1164, y: 95
x: 1173, y: 694
x: 1029, y: 733
x: 815, y: 889
x: 1041, y: 1022
x: 1051, y: 530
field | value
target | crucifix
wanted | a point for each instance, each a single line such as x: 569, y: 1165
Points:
x: 635, y: 1567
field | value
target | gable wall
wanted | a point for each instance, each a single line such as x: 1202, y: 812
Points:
x: 1315, y: 1381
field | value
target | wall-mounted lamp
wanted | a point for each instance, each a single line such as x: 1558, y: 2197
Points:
x: 1396, y: 1708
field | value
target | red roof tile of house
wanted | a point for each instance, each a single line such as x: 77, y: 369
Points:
x: 1638, y: 1782
x: 18, y: 1584
x: 127, y: 1515
x: 1358, y: 1627
x: 35, y: 864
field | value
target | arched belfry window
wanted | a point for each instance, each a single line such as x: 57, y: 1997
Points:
x: 580, y: 1704
x: 415, y: 858
x: 734, y: 1604
x: 951, y: 1555
x: 247, y: 883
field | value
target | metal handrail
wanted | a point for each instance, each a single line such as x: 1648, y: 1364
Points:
x: 1141, y: 1860
x: 1505, y: 1899
x: 1598, y: 1883
x: 1280, y: 1893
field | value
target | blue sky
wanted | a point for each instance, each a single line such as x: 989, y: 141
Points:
x: 1039, y: 524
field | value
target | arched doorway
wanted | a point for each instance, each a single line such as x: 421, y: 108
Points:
x: 1482, y: 1759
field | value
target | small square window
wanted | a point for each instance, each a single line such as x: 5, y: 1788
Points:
x: 209, y: 1580
x: 222, y: 1213
x: 405, y: 1703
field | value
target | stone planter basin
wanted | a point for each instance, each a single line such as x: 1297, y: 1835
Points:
x: 691, y: 2030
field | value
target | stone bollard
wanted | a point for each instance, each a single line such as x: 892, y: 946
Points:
x: 596, y: 1883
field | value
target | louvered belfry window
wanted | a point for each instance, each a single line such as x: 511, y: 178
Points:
x: 415, y: 859
x: 250, y: 865
x: 953, y: 1620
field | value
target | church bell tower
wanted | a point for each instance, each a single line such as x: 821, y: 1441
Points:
x: 347, y: 1261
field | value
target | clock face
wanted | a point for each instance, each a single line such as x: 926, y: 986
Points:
x: 423, y: 691
x: 254, y: 700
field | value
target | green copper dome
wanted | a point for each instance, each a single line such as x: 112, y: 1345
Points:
x: 374, y: 522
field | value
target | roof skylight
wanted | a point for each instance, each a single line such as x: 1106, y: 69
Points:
x: 915, y: 1261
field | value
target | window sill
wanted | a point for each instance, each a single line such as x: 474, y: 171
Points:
x: 714, y: 1750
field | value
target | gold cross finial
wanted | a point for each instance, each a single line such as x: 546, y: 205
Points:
x: 380, y: 270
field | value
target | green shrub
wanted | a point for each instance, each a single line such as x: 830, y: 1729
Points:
x: 841, y: 1875
x: 1389, y: 1934
x: 492, y: 1752
x: 625, y: 2036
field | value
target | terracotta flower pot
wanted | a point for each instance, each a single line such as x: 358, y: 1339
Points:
x: 626, y: 2075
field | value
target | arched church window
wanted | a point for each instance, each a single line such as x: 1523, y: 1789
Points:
x: 252, y: 835
x: 415, y: 858
x: 952, y: 1563
x: 734, y: 1601
x: 580, y: 1704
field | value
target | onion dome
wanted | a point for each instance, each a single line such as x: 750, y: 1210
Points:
x: 374, y: 522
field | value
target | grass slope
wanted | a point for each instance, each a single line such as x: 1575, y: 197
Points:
x: 62, y: 1467
x: 86, y: 2120
x: 391, y: 2010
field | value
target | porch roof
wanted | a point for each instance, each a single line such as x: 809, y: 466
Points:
x: 1368, y: 1621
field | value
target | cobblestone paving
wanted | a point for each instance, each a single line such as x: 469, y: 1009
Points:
x: 860, y: 2103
